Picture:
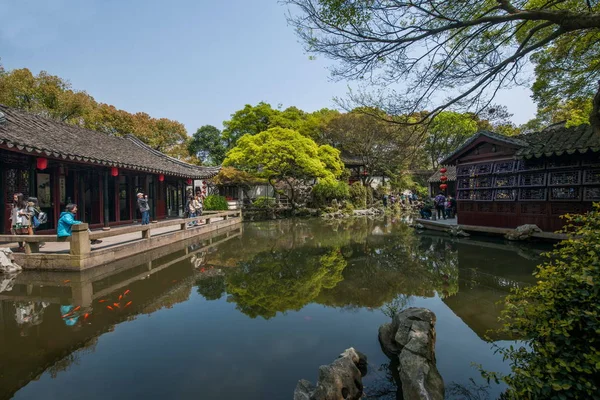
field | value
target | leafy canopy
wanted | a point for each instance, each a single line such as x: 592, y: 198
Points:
x: 208, y: 145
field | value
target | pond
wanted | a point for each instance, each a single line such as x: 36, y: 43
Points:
x: 250, y: 312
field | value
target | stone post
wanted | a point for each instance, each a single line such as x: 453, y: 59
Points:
x: 146, y: 233
x: 80, y: 240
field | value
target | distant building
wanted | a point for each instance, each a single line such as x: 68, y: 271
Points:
x: 527, y: 179
x: 60, y: 163
x: 434, y: 181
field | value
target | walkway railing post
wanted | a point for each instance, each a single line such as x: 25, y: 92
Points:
x: 146, y: 234
x: 32, y: 247
x: 80, y: 240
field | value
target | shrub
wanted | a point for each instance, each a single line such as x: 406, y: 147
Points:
x: 215, y: 203
x: 348, y: 208
x: 358, y: 195
x: 327, y: 190
x: 369, y: 196
x: 559, y: 318
x: 264, y: 202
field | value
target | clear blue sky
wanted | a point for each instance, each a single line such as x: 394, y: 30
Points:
x: 193, y: 61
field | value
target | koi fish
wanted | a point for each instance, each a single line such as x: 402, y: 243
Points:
x: 85, y: 316
x: 77, y: 308
x: 110, y: 308
x: 66, y: 281
x: 120, y: 297
x: 116, y: 305
x: 102, y: 301
x: 128, y: 303
x: 174, y: 280
x: 127, y: 292
x: 67, y: 314
x: 202, y: 270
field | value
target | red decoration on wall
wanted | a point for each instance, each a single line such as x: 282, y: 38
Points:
x: 443, y: 170
x: 443, y: 186
x: 189, y: 181
x: 161, y: 178
x: 443, y: 178
x: 114, y: 171
x: 41, y: 163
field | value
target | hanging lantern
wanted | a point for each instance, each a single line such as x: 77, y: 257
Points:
x: 161, y: 178
x: 443, y: 170
x: 114, y: 171
x: 443, y: 178
x: 189, y: 182
x: 443, y: 186
x: 365, y: 173
x: 41, y: 163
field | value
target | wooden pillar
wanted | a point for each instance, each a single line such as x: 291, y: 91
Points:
x: 106, y: 200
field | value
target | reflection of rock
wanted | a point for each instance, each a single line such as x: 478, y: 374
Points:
x: 411, y: 338
x: 7, y: 282
x: 7, y: 264
x: 342, y: 379
x: 522, y: 232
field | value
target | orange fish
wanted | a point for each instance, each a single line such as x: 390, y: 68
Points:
x: 110, y: 308
x: 116, y: 305
x: 174, y: 280
x: 128, y: 303
x: 120, y: 297
x: 66, y: 281
x: 202, y: 270
x: 102, y: 301
x: 85, y: 316
x: 77, y: 308
x: 127, y: 292
x: 66, y: 315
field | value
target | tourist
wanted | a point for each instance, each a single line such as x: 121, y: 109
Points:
x: 20, y: 218
x: 440, y: 205
x: 66, y: 222
x: 37, y: 216
x: 425, y: 210
x: 191, y: 209
x: 385, y: 200
x: 448, y: 207
x: 142, y: 203
x: 454, y: 206
x: 198, y: 205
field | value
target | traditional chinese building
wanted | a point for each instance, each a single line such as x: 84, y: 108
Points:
x: 435, y: 180
x: 528, y: 179
x: 60, y: 164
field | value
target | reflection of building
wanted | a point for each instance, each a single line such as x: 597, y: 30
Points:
x: 60, y: 163
x: 527, y: 179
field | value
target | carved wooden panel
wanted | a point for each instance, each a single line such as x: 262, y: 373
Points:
x: 506, y: 208
x: 571, y: 193
x: 505, y: 181
x: 562, y: 163
x: 483, y: 195
x: 485, y: 207
x: 531, y: 165
x: 564, y: 178
x: 533, y: 179
x: 591, y: 176
x: 504, y: 167
x: 591, y: 193
x: 536, y: 194
x: 505, y: 195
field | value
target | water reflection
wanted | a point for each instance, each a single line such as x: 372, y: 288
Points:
x: 298, y: 290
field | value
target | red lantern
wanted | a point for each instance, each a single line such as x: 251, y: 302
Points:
x: 189, y: 181
x: 443, y: 170
x: 41, y: 163
x: 114, y: 171
x: 443, y: 178
x: 443, y: 186
x: 161, y: 178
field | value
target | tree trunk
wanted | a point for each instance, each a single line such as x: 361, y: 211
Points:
x: 595, y: 117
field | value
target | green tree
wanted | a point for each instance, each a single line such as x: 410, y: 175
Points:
x: 251, y: 120
x: 573, y: 112
x: 456, y: 53
x: 208, y: 145
x: 446, y: 133
x: 559, y: 320
x: 279, y: 154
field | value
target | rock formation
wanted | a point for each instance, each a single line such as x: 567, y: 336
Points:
x: 410, y: 338
x: 522, y: 232
x: 7, y: 264
x: 340, y: 380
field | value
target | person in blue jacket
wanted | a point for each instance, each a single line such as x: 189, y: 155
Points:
x: 67, y: 220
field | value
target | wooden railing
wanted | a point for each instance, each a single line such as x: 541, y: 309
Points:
x: 79, y: 241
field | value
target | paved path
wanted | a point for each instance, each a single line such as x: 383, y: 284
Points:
x: 449, y: 222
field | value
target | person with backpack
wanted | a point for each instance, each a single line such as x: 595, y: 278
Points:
x: 38, y: 216
x: 20, y: 219
x: 142, y: 203
x: 440, y: 205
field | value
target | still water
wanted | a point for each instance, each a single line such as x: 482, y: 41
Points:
x: 250, y: 312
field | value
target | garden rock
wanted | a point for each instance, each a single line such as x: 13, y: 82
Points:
x: 410, y: 338
x: 523, y: 232
x: 340, y: 380
x: 7, y: 264
x: 456, y: 231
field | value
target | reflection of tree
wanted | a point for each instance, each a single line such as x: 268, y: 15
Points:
x: 272, y: 282
x: 211, y: 287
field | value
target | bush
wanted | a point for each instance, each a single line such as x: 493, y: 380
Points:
x: 327, y: 190
x: 369, y: 196
x: 348, y: 208
x: 215, y: 203
x: 264, y: 202
x: 559, y: 319
x: 358, y: 195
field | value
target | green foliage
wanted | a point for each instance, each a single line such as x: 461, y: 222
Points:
x: 215, y: 203
x: 446, y: 133
x: 265, y: 202
x: 369, y: 196
x: 348, y: 208
x: 358, y: 195
x: 574, y: 112
x: 326, y: 190
x: 559, y: 319
x: 208, y: 145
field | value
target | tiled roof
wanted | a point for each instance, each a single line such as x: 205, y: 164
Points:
x: 451, y: 174
x: 492, y: 135
x: 46, y: 137
x: 557, y: 140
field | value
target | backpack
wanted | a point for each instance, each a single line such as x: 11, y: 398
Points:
x: 42, y: 218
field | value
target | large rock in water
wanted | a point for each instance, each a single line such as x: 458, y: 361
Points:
x: 7, y: 264
x: 340, y: 380
x: 410, y: 338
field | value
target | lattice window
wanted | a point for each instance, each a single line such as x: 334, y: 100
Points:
x: 562, y: 208
x: 565, y: 193
x: 484, y: 182
x: 504, y: 167
x: 466, y: 206
x: 566, y: 178
x: 465, y: 170
x: 464, y: 183
x: 562, y: 163
x: 485, y: 207
x: 465, y: 194
x: 591, y: 162
x: 533, y: 179
x: 530, y: 165
x: 506, y: 208
x: 483, y: 169
x: 591, y: 194
x: 537, y: 194
x: 591, y: 176
x: 505, y: 181
x: 483, y: 195
x: 505, y: 195
x: 533, y: 208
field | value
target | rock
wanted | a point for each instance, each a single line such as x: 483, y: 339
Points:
x: 456, y: 231
x: 522, y: 232
x: 340, y: 380
x: 7, y: 264
x: 410, y: 338
x: 419, y: 226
